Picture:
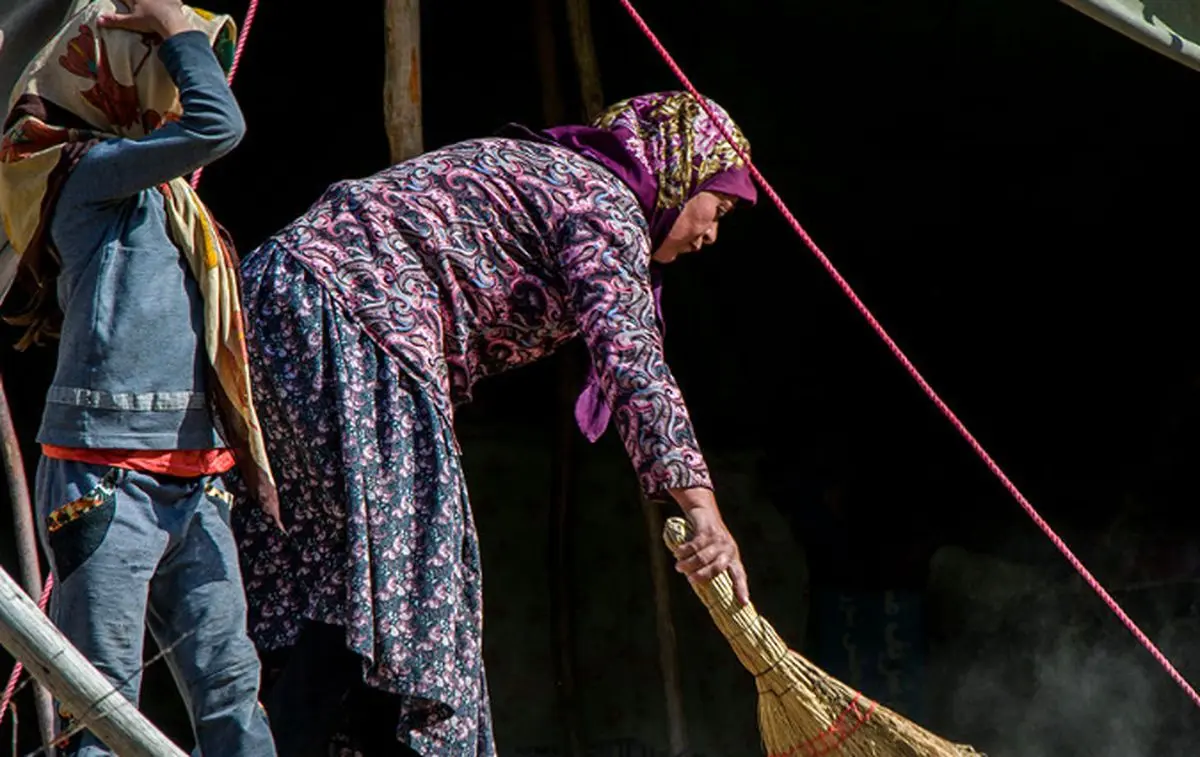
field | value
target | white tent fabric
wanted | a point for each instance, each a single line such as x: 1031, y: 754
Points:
x: 25, y: 25
x: 1170, y: 27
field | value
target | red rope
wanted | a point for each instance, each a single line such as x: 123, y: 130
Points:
x: 11, y: 688
x: 233, y: 67
x: 916, y: 374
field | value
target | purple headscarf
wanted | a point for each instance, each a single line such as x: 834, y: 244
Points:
x: 667, y: 149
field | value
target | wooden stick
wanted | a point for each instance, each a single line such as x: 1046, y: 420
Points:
x: 562, y: 494
x: 27, y: 547
x: 562, y: 595
x: 30, y: 637
x: 1128, y: 19
x: 579, y: 21
x: 402, y: 82
x: 592, y: 95
x: 668, y: 653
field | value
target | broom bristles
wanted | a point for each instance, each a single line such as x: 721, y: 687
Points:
x: 802, y: 710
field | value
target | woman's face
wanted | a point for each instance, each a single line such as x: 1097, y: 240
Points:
x: 695, y: 227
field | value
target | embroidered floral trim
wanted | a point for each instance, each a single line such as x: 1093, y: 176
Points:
x: 73, y: 511
x: 218, y: 493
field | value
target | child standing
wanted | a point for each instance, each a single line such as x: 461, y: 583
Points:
x: 150, y: 402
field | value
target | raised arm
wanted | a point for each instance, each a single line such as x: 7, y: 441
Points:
x: 211, y: 126
x: 605, y: 262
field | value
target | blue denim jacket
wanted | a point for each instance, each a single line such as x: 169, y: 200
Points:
x: 131, y: 361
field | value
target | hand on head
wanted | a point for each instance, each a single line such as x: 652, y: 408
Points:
x: 166, y: 18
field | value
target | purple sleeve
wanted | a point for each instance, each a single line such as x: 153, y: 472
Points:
x: 606, y: 267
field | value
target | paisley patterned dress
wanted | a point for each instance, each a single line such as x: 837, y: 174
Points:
x: 370, y: 318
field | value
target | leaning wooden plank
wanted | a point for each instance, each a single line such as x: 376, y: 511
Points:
x: 1169, y: 27
x: 29, y: 636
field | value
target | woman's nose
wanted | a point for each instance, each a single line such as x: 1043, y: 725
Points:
x: 710, y: 236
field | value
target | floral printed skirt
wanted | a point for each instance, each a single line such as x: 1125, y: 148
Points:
x: 381, y: 540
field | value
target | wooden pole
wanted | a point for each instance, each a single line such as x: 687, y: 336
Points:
x: 27, y: 546
x: 668, y: 654
x: 563, y: 484
x: 30, y: 637
x: 562, y: 596
x: 579, y: 22
x: 402, y: 83
x: 592, y: 94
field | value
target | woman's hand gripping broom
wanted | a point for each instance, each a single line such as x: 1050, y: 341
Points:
x: 803, y: 711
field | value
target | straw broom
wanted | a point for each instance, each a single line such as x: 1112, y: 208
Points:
x: 802, y: 710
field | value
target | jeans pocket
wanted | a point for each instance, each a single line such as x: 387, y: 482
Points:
x: 76, y: 530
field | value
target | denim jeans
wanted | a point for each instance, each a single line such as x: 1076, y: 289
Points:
x: 131, y: 550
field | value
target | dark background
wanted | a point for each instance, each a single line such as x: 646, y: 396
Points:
x: 1009, y: 187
